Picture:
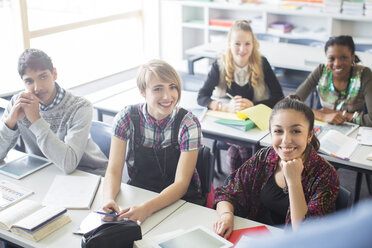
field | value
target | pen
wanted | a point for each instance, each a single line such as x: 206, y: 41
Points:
x: 229, y: 95
x: 107, y: 214
x: 333, y: 155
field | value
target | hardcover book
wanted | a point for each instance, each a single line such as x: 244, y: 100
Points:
x: 32, y: 220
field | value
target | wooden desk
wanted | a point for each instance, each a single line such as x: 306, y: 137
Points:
x: 358, y: 161
x: 191, y: 215
x: 278, y: 54
x: 40, y: 181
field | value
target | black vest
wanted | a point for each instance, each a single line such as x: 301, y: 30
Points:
x: 156, y: 168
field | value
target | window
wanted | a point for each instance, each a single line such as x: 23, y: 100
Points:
x: 86, y: 39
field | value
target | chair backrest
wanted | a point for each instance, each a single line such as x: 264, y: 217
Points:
x: 307, y: 42
x: 204, y: 167
x: 363, y: 48
x: 101, y: 135
x: 343, y: 198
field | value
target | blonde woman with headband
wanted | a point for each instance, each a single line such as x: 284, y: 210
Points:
x: 244, y: 74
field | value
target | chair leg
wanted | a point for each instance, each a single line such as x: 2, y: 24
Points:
x: 358, y: 186
x: 214, y: 148
x: 218, y: 156
x: 369, y: 185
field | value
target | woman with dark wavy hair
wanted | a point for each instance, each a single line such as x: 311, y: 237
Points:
x: 285, y: 183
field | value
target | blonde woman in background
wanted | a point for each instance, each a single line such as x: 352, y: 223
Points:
x: 243, y: 73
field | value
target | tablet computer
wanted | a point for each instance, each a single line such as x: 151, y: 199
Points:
x: 23, y: 166
x: 196, y: 237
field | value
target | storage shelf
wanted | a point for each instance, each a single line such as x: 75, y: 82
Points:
x: 193, y: 25
x: 333, y: 24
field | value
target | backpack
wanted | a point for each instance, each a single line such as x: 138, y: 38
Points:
x: 113, y: 234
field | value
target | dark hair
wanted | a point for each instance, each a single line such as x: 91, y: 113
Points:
x: 294, y: 102
x: 342, y: 40
x: 34, y: 60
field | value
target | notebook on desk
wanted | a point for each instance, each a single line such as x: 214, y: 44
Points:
x: 18, y: 164
x: 337, y: 144
x: 345, y: 128
x: 72, y: 192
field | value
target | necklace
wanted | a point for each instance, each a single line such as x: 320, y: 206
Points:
x: 162, y: 170
x: 285, y: 189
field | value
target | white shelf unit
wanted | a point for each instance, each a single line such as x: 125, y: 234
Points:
x: 194, y: 28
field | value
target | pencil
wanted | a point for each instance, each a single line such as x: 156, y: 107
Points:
x: 229, y: 95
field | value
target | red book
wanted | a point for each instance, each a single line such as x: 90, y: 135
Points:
x: 251, y: 231
x: 221, y: 22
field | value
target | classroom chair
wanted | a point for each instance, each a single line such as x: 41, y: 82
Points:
x: 192, y: 82
x: 363, y: 48
x: 204, y: 167
x: 307, y: 42
x: 267, y: 37
x: 216, y: 150
x: 290, y: 79
x: 101, y: 135
x: 343, y: 198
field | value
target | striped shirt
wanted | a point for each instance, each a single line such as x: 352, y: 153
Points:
x: 157, y: 134
x: 59, y: 97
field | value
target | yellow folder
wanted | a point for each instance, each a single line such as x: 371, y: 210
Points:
x: 259, y: 114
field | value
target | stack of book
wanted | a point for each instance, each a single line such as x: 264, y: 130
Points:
x: 280, y: 27
x: 33, y: 221
x: 368, y: 8
x: 221, y: 22
x: 256, y: 116
x: 353, y: 7
x: 332, y: 6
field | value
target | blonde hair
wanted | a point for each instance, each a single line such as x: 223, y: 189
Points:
x: 160, y: 70
x: 254, y: 62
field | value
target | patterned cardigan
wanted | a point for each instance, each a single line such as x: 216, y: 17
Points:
x: 242, y: 188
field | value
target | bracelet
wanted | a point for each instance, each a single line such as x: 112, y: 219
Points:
x: 227, y: 212
x: 355, y: 115
x: 219, y: 106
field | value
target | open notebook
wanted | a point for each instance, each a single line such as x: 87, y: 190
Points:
x: 337, y: 144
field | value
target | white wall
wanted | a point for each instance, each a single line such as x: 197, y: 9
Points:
x: 151, y: 23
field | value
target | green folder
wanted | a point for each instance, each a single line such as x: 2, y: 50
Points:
x: 243, y: 125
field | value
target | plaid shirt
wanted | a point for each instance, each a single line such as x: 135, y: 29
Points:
x: 59, y: 97
x: 157, y: 134
x: 242, y: 188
